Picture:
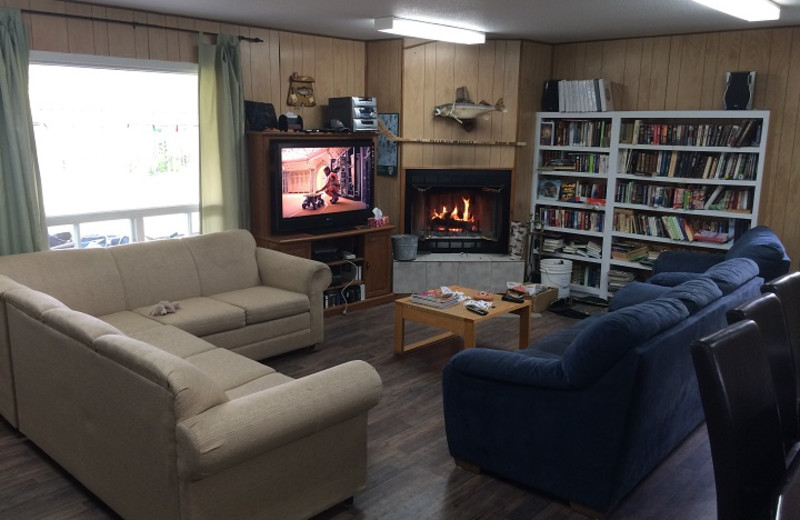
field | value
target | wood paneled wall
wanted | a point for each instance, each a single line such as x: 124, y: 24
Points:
x: 688, y: 73
x: 337, y: 65
x: 432, y: 72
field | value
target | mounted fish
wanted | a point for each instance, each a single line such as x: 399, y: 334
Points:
x: 465, y: 111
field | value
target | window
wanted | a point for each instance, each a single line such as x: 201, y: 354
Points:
x: 117, y: 141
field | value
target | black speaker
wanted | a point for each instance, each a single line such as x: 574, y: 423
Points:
x: 739, y: 90
x: 550, y: 96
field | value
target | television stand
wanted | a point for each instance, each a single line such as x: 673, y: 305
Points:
x: 362, y: 281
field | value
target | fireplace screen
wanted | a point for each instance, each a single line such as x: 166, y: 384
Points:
x: 458, y: 210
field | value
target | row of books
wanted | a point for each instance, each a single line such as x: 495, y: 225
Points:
x: 617, y: 279
x: 743, y: 133
x: 571, y: 132
x: 435, y: 298
x: 585, y: 95
x: 694, y: 165
x: 670, y: 226
x: 583, y: 162
x: 587, y: 275
x: 572, y: 191
x: 583, y: 220
x: 557, y: 244
x: 334, y: 297
x: 717, y: 198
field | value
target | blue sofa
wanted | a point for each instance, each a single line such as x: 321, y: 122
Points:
x: 587, y: 412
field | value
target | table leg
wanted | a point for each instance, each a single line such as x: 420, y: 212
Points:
x: 469, y: 335
x: 524, y: 326
x: 399, y: 329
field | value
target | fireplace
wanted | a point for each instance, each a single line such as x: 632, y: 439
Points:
x: 454, y: 210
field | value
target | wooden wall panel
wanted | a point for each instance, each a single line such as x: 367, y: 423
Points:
x: 337, y: 65
x: 384, y: 64
x: 687, y: 72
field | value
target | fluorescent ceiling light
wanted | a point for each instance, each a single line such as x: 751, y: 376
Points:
x: 428, y: 31
x: 750, y: 10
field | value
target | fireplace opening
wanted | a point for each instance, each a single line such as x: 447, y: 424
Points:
x: 458, y: 210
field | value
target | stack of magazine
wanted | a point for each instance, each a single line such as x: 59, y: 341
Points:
x: 435, y: 298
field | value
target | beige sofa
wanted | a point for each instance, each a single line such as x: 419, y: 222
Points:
x: 161, y: 423
x: 253, y: 301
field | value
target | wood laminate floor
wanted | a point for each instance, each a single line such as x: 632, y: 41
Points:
x: 411, y: 475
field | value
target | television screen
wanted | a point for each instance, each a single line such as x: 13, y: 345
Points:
x: 321, y: 185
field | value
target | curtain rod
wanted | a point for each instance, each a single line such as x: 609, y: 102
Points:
x: 133, y: 24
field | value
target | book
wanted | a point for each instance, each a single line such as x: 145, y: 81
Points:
x: 567, y: 190
x: 546, y: 132
x: 549, y: 189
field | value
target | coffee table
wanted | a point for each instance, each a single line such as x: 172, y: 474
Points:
x: 457, y: 320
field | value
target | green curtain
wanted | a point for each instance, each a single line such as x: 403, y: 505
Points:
x: 22, y: 221
x: 224, y: 193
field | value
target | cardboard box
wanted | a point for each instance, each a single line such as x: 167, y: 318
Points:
x: 543, y: 299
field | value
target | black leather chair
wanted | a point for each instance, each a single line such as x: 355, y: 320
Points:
x: 787, y: 288
x: 744, y: 427
x: 766, y: 311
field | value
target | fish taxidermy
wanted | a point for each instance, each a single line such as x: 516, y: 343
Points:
x: 465, y: 111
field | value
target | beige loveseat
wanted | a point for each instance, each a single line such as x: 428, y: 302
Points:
x: 161, y: 423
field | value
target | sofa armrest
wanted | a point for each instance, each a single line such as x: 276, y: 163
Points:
x: 510, y: 367
x: 239, y: 430
x: 686, y: 261
x: 293, y: 273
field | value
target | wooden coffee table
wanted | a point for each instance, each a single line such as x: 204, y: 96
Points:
x: 457, y: 320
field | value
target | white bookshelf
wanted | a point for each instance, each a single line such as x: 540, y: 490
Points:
x: 642, y: 160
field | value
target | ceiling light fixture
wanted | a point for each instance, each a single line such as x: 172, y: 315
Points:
x: 750, y: 10
x: 428, y: 31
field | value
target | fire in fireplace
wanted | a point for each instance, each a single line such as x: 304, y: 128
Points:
x: 454, y: 210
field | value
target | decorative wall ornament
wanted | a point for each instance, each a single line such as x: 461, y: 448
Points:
x: 301, y: 91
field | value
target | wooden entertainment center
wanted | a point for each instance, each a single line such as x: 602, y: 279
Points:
x: 360, y: 258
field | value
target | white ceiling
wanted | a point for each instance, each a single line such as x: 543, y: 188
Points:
x: 547, y: 21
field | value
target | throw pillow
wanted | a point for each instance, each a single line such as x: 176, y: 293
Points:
x: 672, y: 278
x: 732, y: 273
x: 695, y: 294
x: 636, y: 292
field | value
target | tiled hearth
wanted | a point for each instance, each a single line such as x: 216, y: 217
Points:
x: 487, y: 272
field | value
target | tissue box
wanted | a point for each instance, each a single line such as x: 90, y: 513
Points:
x: 542, y: 296
x: 377, y: 222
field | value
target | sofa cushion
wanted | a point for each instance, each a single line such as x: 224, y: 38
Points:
x: 672, y: 278
x: 173, y: 340
x: 265, y: 303
x: 695, y: 294
x: 636, y: 292
x: 31, y: 302
x: 194, y: 391
x: 605, y: 340
x: 85, y: 280
x: 224, y: 261
x: 78, y: 325
x: 129, y: 321
x: 228, y: 369
x: 761, y: 245
x: 732, y: 273
x: 200, y: 316
x: 155, y: 271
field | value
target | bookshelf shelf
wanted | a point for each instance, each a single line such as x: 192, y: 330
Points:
x: 658, y: 178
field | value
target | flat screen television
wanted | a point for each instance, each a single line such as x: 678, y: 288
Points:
x: 320, y: 185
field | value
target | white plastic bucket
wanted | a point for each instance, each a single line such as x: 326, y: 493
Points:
x: 557, y: 273
x: 404, y: 247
